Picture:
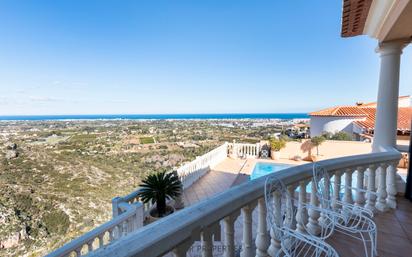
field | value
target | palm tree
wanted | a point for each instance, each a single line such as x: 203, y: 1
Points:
x: 159, y: 187
x: 317, y: 141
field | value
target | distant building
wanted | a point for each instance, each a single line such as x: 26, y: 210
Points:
x: 358, y: 120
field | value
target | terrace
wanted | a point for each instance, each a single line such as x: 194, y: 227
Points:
x: 225, y: 213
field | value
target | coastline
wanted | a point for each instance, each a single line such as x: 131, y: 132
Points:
x: 143, y: 117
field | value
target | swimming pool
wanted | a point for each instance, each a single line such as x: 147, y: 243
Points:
x: 264, y: 168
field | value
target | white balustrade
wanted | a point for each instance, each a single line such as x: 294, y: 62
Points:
x: 176, y: 233
x: 194, y: 170
x: 97, y: 238
x: 242, y: 150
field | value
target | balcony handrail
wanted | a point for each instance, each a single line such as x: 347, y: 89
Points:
x: 168, y: 233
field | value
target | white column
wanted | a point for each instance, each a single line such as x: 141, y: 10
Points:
x: 388, y: 92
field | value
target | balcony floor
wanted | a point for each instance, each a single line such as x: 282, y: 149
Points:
x: 394, y: 234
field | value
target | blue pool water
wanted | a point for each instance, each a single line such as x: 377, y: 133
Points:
x: 264, y: 168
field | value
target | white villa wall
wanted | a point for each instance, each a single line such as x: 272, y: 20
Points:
x: 321, y: 124
x: 404, y: 102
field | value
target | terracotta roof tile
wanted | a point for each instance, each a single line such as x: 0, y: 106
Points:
x: 404, y: 118
x: 352, y: 111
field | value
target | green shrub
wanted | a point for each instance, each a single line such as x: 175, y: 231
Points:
x: 277, y: 144
x: 56, y: 222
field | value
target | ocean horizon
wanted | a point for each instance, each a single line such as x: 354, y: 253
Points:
x: 283, y: 116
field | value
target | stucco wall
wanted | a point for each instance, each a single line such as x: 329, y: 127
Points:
x: 328, y: 149
x: 319, y: 124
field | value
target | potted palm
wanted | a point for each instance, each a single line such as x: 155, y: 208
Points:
x: 275, y: 146
x: 158, y: 188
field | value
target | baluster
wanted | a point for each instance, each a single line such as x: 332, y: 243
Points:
x: 181, y: 249
x: 124, y: 228
x: 381, y: 201
x: 360, y: 195
x: 78, y: 251
x: 90, y: 246
x: 301, y: 215
x: 370, y: 195
x: 207, y: 243
x: 262, y: 234
x: 391, y: 185
x: 336, y: 189
x: 313, y: 225
x: 347, y: 196
x: 247, y: 247
x: 274, y: 236
x: 326, y: 201
x: 229, y: 225
x: 101, y: 242
x: 291, y: 209
x: 111, y: 236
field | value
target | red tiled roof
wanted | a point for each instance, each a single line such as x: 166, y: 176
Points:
x: 366, y: 114
x: 351, y: 111
x: 404, y: 118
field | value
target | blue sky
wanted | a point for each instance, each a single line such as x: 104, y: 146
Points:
x: 215, y: 56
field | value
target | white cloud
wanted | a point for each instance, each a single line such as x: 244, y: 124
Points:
x: 43, y: 99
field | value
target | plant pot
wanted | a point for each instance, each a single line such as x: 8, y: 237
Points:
x: 275, y: 155
x: 152, y: 217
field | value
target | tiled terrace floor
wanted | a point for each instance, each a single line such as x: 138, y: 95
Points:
x: 394, y: 234
x: 394, y: 226
x: 221, y: 178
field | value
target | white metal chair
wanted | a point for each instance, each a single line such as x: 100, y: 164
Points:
x: 280, y: 215
x: 354, y: 221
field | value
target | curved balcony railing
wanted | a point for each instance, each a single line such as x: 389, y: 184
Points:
x: 176, y: 233
x: 129, y: 212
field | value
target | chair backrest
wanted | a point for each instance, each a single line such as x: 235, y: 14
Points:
x: 280, y: 211
x: 323, y: 184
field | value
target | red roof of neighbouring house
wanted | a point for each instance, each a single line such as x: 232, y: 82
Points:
x: 366, y: 114
x: 404, y: 118
x: 352, y: 111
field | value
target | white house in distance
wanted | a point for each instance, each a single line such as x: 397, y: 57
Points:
x: 358, y: 120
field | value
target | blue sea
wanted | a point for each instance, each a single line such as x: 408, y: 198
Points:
x: 286, y: 116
